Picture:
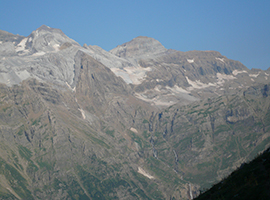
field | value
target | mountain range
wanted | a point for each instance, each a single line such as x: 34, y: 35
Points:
x: 137, y: 122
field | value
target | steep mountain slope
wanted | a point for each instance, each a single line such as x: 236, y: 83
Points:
x: 250, y: 181
x: 174, y: 76
x: 138, y: 122
x: 51, y: 148
x: 208, y: 139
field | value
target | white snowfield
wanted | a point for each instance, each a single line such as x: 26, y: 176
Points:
x: 133, y: 130
x: 56, y: 47
x: 82, y: 112
x: 21, y: 45
x: 190, y: 191
x: 197, y: 84
x: 40, y: 53
x: 141, y: 171
x: 74, y: 89
x: 134, y: 75
x: 254, y: 75
x: 155, y: 101
x: 190, y: 60
x: 235, y: 72
x: 221, y: 59
x: 177, y: 89
x: 225, y: 76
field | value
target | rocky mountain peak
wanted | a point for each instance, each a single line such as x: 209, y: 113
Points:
x: 45, y: 28
x: 44, y: 39
x: 139, y: 46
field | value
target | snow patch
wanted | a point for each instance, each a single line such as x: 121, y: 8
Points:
x: 82, y: 112
x: 220, y: 59
x: 198, y: 84
x: 141, y: 171
x: 252, y: 79
x: 266, y: 74
x: 133, y: 130
x: 235, y: 72
x: 225, y: 76
x: 73, y: 90
x: 177, y: 89
x: 190, y: 60
x: 41, y: 53
x: 154, y: 101
x: 56, y: 47
x: 1, y: 42
x: 21, y: 45
x: 134, y: 75
x: 254, y: 75
x: 190, y: 192
x: 30, y: 39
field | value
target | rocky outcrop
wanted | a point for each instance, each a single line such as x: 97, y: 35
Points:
x: 139, y: 121
x: 139, y: 47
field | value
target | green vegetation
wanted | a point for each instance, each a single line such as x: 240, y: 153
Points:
x: 24, y: 152
x: 137, y: 139
x: 36, y: 121
x: 97, y: 189
x: 98, y: 141
x: 150, y: 188
x: 21, y: 130
x: 15, y: 179
x: 44, y: 164
x: 145, y: 121
x: 110, y: 132
x: 146, y: 135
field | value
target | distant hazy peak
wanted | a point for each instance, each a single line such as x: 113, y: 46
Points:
x: 9, y: 37
x: 44, y: 27
x: 139, y: 46
x: 5, y: 33
x: 49, y: 29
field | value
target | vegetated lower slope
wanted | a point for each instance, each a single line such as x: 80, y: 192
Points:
x: 49, y: 150
x: 250, y: 181
x: 204, y: 141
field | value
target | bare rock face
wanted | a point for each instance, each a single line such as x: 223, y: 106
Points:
x: 139, y: 47
x: 164, y: 77
x: 138, y: 122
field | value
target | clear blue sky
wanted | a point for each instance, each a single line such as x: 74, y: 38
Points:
x: 238, y: 29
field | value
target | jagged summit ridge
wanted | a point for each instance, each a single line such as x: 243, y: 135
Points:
x: 160, y: 76
x: 46, y: 54
x: 46, y: 39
